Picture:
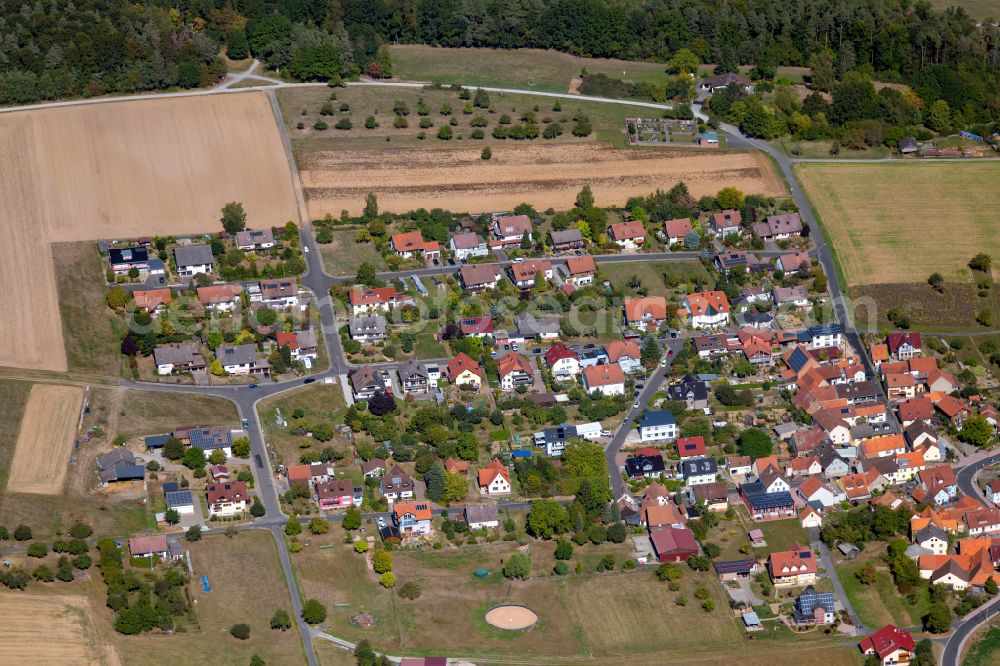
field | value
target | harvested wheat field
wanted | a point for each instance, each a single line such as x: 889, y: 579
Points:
x: 45, y: 439
x: 50, y: 629
x: 137, y: 168
x: 898, y: 223
x: 458, y: 179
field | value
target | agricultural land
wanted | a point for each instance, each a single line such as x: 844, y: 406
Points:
x: 45, y: 439
x: 120, y: 169
x: 51, y: 630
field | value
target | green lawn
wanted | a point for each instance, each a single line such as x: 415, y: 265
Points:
x: 880, y: 603
x: 978, y: 9
x: 427, y: 346
x: 783, y: 534
x: 343, y: 256
x: 318, y: 401
x: 534, y: 69
x: 651, y: 275
x: 985, y: 651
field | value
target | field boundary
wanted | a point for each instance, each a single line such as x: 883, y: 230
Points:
x: 45, y: 440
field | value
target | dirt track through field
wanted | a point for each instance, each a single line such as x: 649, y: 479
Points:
x: 50, y: 629
x: 45, y: 439
x: 154, y: 167
x: 545, y: 176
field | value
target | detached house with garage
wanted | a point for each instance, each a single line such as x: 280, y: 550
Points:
x: 626, y: 354
x: 396, y: 485
x: 414, y: 378
x: 468, y: 244
x: 579, y: 271
x: 890, y: 644
x: 279, y: 293
x: 227, y: 499
x: 338, y: 494
x: 524, y: 274
x: 177, y: 356
x: 193, y: 259
x: 464, y: 370
x: 367, y: 328
x: 707, y: 309
x: 510, y: 230
x: 152, y: 301
x: 255, y: 240
x: 242, y: 360
x: 365, y: 301
x: 904, y: 345
x: 726, y: 223
x: 676, y: 229
x: 220, y: 297
x: 647, y: 312
x: 779, y: 227
x: 792, y: 568
x: 657, y: 426
x: 628, y: 235
x: 479, y: 277
x: 563, y: 361
x: 366, y: 381
x: 568, y: 239
x: 412, y: 518
x: 302, y: 344
x: 125, y: 259
x: 412, y: 244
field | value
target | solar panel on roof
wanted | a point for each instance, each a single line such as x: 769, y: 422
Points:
x: 805, y: 555
x: 769, y: 500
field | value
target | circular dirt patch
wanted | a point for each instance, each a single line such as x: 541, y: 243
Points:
x: 511, y: 618
x: 364, y: 619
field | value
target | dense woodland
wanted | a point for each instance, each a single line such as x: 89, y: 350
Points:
x: 65, y: 48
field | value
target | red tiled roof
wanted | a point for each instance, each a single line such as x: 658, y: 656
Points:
x: 230, y: 491
x: 557, y: 352
x: 701, y: 302
x: 637, y: 308
x: 489, y: 473
x: 618, y: 348
x: 513, y: 362
x: 627, y: 230
x: 581, y: 265
x: 887, y: 640
x: 219, y: 293
x: 603, y: 375
x: 460, y: 364
x: 151, y: 298
x: 677, y: 227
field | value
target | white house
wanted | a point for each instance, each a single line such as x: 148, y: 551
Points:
x: 240, y: 359
x: 494, y: 479
x: 657, y: 426
x: 563, y: 361
x: 605, y: 379
x: 699, y: 471
x: 467, y: 245
x: 254, y: 239
x: 482, y: 516
x: 230, y: 498
x: 707, y: 309
x: 193, y: 259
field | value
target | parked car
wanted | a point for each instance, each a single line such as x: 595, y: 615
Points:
x: 635, y: 405
x: 253, y: 386
x: 309, y: 380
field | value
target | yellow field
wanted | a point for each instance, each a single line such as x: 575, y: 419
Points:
x: 43, y: 629
x: 894, y: 223
x: 151, y: 167
x: 543, y: 175
x: 45, y: 440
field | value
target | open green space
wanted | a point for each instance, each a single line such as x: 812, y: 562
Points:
x: 654, y: 277
x: 343, y: 256
x: 977, y: 9
x: 319, y: 402
x: 530, y: 69
x: 880, y: 603
x: 985, y: 651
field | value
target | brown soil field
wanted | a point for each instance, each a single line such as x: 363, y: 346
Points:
x: 50, y: 629
x: 458, y: 179
x: 45, y: 440
x: 137, y: 168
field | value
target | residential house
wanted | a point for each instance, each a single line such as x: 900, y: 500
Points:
x: 311, y: 474
x: 797, y: 296
x: 476, y: 327
x: 739, y: 466
x: 453, y: 466
x: 992, y: 491
x: 914, y: 410
x: 227, y: 499
x: 414, y: 378
x: 219, y: 472
x: 673, y: 544
x: 689, y: 390
x: 814, y: 608
x: 817, y: 493
x: 904, y: 345
x: 177, y: 356
x: 712, y: 83
x: 779, y: 227
x: 956, y: 410
x: 792, y: 262
x: 810, y: 517
x: 255, y: 240
x: 242, y: 360
x: 482, y: 516
x: 510, y: 230
x: 645, y: 467
x: 657, y: 425
x: 758, y: 351
x: 152, y: 301
x: 792, y: 568
x: 939, y: 483
x: 119, y: 464
x: 802, y: 467
x: 468, y: 244
x: 763, y: 505
x: 626, y: 354
x: 563, y: 361
x: 367, y: 328
x: 479, y: 277
x: 696, y: 471
x: 181, y: 501
x: 412, y: 244
x: 279, y: 293
x: 676, y: 229
x: 579, y: 271
x: 690, y: 447
x: 207, y: 438
x: 125, y: 259
x: 628, y: 235
x: 731, y: 570
x: 514, y: 371
x: 554, y: 439
x: 567, y: 239
x: 494, y: 479
x: 932, y: 538
x: 772, y: 481
x: 981, y: 521
x: 715, y: 495
x: 593, y: 356
x: 412, y: 518
x: 900, y: 386
x: 373, y: 469
x: 605, y: 379
x: 301, y: 344
x: 338, y: 494
x: 893, y: 646
x: 193, y: 259
x: 220, y: 297
x: 726, y: 223
x: 657, y: 511
x: 464, y: 370
x: 882, y: 447
x: 920, y: 434
x: 396, y: 485
x: 365, y: 301
x: 524, y: 274
x: 149, y: 546
x: 707, y: 309
x: 531, y: 327
x: 645, y: 312
x: 366, y: 381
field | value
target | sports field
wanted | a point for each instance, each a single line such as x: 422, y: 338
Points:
x: 151, y: 167
x: 50, y: 629
x: 45, y: 440
x: 457, y: 179
x: 530, y: 69
x: 896, y: 223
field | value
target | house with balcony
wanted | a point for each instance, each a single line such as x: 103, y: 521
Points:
x: 412, y: 518
x: 338, y: 494
x: 230, y: 498
x: 707, y: 309
x: 563, y: 361
x: 254, y: 240
x: 514, y: 371
x: 726, y: 223
x: 242, y: 360
x: 579, y: 271
x: 629, y: 236
x: 468, y: 244
x: 414, y: 378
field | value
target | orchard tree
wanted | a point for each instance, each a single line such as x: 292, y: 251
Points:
x: 936, y: 280
x: 257, y: 509
x: 683, y: 61
x: 234, y: 218
x: 281, y: 620
x: 313, y: 611
x: 517, y: 566
x: 585, y: 199
x: 980, y: 262
x: 547, y: 518
x: 976, y: 431
x: 352, y: 519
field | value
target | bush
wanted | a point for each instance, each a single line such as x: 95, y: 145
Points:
x: 561, y: 568
x: 564, y: 550
x: 445, y: 133
x: 313, y: 611
x: 44, y: 574
x: 22, y: 533
x: 478, y: 134
x: 320, y: 125
x: 281, y: 620
x: 38, y: 550
x: 360, y: 546
x: 410, y: 590
x: 80, y: 531
x: 426, y: 123
x: 387, y: 580
x: 382, y: 561
x: 82, y: 562
x: 319, y: 526
x: 344, y: 124
x: 517, y: 565
x: 400, y: 122
x: 240, y: 631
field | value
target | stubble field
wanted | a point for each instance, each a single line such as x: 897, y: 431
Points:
x: 50, y: 629
x: 41, y: 457
x: 153, y: 167
x: 546, y: 176
x: 895, y: 223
